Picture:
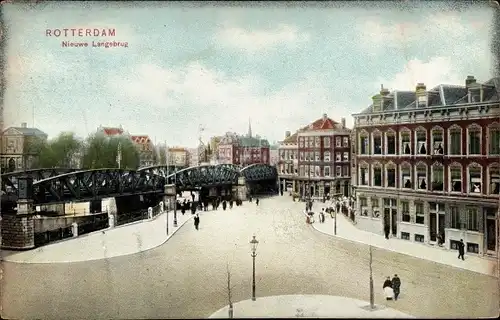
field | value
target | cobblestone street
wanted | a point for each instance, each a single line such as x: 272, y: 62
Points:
x: 186, y: 276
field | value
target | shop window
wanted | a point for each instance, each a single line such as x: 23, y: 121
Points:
x: 455, y: 218
x: 406, y: 181
x: 421, y: 141
x: 472, y: 247
x: 456, y: 178
x: 391, y: 175
x: 437, y: 177
x: 421, y: 173
x: 438, y: 141
x: 474, y: 140
x: 405, y: 211
x: 405, y: 142
x: 419, y: 237
x: 455, y: 141
x: 494, y: 179
x: 472, y: 219
x: 405, y: 236
x: 475, y: 179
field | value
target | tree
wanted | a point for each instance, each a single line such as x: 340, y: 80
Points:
x: 162, y: 155
x: 60, y: 152
x: 101, y: 151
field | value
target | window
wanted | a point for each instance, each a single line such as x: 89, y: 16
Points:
x: 363, y: 201
x: 494, y: 140
x: 345, y: 142
x: 301, y: 154
x: 405, y: 236
x: 455, y: 218
x: 326, y: 156
x: 475, y: 178
x: 405, y: 142
x: 346, y: 156
x: 282, y: 168
x: 472, y: 247
x: 282, y: 155
x: 390, y: 142
x: 375, y: 207
x: 421, y: 174
x: 317, y: 142
x: 472, y: 222
x: 363, y: 175
x: 287, y: 155
x: 494, y: 179
x: 301, y: 142
x: 456, y: 178
x: 474, y: 140
x: 390, y: 171
x: 419, y: 213
x: 377, y: 143
x: 326, y: 142
x: 338, y: 142
x: 437, y: 141
x: 406, y: 181
x: 307, y: 156
x: 437, y: 177
x: 326, y: 171
x: 311, y: 171
x: 364, y: 144
x: 421, y: 141
x: 455, y: 141
x: 338, y: 157
x: 317, y: 171
x: 419, y: 238
x: 338, y: 171
x: 405, y: 211
x: 377, y: 176
x: 345, y: 171
x: 317, y: 156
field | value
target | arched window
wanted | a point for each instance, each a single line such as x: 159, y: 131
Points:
x: 421, y: 174
x: 437, y: 136
x: 437, y: 177
x: 493, y: 137
x: 377, y: 175
x: 327, y: 156
x: 364, y: 174
x: 494, y: 179
x: 474, y: 141
x: 475, y: 174
x: 454, y: 140
x: 390, y: 142
x: 455, y: 177
x: 406, y: 181
x: 363, y: 143
x: 405, y: 141
x: 390, y: 175
x: 376, y: 142
x: 421, y: 141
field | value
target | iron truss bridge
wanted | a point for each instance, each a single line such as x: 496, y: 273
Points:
x: 65, y: 185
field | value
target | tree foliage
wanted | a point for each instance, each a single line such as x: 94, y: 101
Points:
x: 60, y: 152
x: 162, y: 155
x: 101, y: 152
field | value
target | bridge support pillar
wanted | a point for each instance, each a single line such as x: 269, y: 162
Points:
x: 112, y: 210
x: 18, y: 229
x: 170, y: 196
x: 240, y: 190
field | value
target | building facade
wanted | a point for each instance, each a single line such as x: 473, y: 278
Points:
x: 315, y: 161
x: 147, y: 151
x: 243, y: 150
x: 178, y: 157
x: 427, y: 164
x: 274, y: 155
x: 15, y: 152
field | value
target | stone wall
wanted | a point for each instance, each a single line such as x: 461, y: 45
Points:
x: 17, y: 232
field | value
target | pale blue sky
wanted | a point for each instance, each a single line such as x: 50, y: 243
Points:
x: 218, y: 66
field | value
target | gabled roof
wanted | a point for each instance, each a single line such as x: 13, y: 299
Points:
x: 28, y: 131
x: 110, y: 131
x: 323, y: 123
x: 140, y: 139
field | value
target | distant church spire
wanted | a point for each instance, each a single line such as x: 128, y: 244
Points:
x: 249, y: 128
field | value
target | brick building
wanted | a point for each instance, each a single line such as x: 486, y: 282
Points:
x: 243, y: 150
x: 427, y: 164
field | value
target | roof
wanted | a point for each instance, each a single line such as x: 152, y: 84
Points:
x: 110, y: 131
x: 323, y: 123
x: 292, y: 139
x: 439, y: 96
x: 244, y: 141
x: 140, y: 139
x: 29, y: 131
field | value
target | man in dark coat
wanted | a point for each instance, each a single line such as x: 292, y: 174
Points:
x: 231, y: 204
x: 257, y: 201
x: 461, y: 249
x: 396, y: 285
x: 224, y: 205
x: 196, y: 221
x: 386, y: 231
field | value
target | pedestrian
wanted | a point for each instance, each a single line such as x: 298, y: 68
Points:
x: 386, y: 231
x: 224, y: 205
x: 461, y: 249
x: 196, y: 221
x: 231, y: 204
x: 257, y: 201
x: 388, y: 291
x: 396, y: 285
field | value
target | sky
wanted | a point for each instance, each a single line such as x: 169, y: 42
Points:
x: 187, y: 66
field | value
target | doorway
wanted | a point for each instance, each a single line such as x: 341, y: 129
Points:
x: 387, y: 218
x: 432, y: 226
x: 491, y: 235
x: 394, y: 222
x: 346, y: 189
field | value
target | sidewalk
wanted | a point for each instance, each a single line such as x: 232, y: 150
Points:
x: 346, y: 230
x: 107, y: 243
x: 307, y: 306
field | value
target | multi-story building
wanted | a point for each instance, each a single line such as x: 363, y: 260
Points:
x: 321, y: 166
x: 243, y: 150
x: 18, y: 149
x: 427, y: 164
x: 273, y: 154
x: 193, y: 157
x: 147, y: 151
x: 177, y: 156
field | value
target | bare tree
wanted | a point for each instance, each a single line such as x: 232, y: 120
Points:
x: 229, y: 291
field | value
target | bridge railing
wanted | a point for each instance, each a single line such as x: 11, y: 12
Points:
x: 46, y: 237
x: 137, y: 215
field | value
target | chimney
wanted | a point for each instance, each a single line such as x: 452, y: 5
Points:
x: 470, y: 80
x: 287, y: 134
x: 384, y: 91
x: 325, y: 116
x: 24, y: 125
x: 421, y: 95
x: 342, y: 121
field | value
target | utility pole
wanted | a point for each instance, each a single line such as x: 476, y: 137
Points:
x: 372, y: 297
x: 119, y: 155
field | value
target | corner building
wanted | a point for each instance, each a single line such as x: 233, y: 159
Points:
x: 315, y: 161
x: 427, y: 164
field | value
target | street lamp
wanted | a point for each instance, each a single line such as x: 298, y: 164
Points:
x: 253, y: 244
x: 175, y: 197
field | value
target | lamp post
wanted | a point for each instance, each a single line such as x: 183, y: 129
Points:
x: 372, y: 295
x: 253, y: 244
x: 175, y: 197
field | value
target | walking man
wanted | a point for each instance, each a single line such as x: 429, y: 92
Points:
x: 396, y: 284
x: 461, y: 249
x: 196, y: 221
x: 386, y: 231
